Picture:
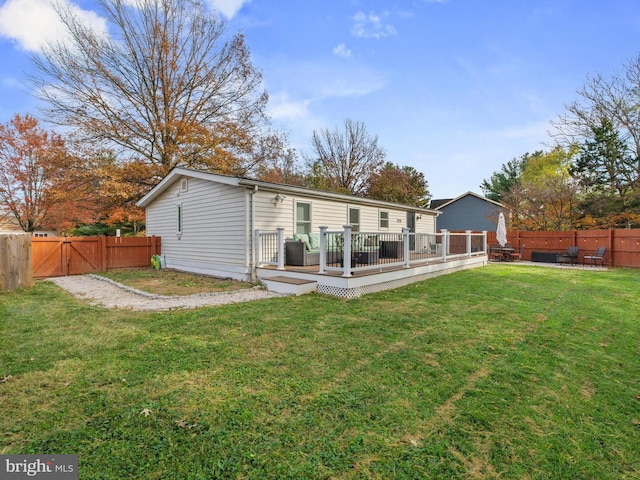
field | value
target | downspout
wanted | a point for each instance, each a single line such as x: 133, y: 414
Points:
x: 253, y: 233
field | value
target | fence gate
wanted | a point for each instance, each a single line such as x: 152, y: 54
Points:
x: 59, y: 256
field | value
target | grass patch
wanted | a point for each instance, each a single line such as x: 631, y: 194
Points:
x: 499, y: 372
x: 172, y: 282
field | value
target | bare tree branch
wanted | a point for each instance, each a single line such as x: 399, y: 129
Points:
x: 169, y: 85
x: 347, y: 158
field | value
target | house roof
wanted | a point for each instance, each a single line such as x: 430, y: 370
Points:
x: 167, y: 181
x: 440, y: 204
x: 436, y: 203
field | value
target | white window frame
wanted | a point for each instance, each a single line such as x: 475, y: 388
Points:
x: 355, y: 227
x: 309, y: 222
x: 382, y: 221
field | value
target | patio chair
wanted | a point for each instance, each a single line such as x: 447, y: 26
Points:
x: 513, y: 256
x: 495, y: 253
x: 571, y: 256
x: 596, y: 257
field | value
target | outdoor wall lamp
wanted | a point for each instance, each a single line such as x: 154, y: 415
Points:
x: 279, y: 199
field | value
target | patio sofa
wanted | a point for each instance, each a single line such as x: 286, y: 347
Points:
x: 304, y: 250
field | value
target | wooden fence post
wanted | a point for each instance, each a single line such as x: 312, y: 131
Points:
x: 16, y: 270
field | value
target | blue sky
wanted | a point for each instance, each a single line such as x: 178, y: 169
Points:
x: 454, y: 88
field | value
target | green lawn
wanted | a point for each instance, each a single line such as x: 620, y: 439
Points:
x: 499, y: 372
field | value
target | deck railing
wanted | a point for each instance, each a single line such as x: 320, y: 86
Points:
x: 270, y: 248
x: 347, y: 252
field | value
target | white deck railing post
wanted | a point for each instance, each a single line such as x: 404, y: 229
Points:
x: 405, y: 245
x: 258, y: 247
x: 468, y: 232
x: 280, y: 241
x: 484, y: 241
x: 323, y: 250
x: 346, y: 255
x: 445, y: 244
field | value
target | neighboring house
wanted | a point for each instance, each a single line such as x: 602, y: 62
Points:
x: 469, y: 211
x: 207, y: 221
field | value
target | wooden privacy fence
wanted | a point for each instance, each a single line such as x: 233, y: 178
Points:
x: 623, y: 245
x: 15, y: 261
x: 58, y: 256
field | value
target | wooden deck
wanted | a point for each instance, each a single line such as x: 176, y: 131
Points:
x: 375, y: 278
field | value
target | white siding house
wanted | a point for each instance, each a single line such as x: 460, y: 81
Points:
x: 208, y: 222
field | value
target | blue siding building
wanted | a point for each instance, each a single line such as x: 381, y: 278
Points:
x: 469, y: 211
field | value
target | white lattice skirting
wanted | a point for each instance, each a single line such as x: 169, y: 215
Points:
x: 404, y: 277
x: 343, y: 292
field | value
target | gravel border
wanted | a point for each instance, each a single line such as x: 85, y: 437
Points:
x: 104, y: 292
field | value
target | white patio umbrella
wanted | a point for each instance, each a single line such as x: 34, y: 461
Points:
x: 501, y: 232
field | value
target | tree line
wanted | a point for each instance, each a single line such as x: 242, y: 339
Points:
x: 590, y: 179
x: 170, y: 86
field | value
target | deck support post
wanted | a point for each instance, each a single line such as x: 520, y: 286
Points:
x: 280, y: 248
x: 323, y: 250
x: 346, y: 256
x: 445, y: 244
x: 468, y: 232
x: 406, y: 233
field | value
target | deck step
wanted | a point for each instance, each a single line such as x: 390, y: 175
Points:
x: 289, y: 285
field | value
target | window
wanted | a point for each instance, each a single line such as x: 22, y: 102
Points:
x: 303, y: 217
x: 384, y: 219
x: 179, y: 219
x: 184, y: 185
x: 354, y: 219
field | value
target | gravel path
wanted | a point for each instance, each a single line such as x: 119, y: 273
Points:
x: 103, y: 292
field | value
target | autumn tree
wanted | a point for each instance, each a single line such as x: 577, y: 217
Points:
x: 397, y: 184
x: 284, y: 169
x: 42, y: 183
x: 169, y: 86
x: 545, y: 196
x: 344, y: 159
x: 508, y: 178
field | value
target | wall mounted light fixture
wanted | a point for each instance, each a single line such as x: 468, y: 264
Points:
x: 279, y: 199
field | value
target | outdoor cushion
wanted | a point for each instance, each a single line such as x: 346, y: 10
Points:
x: 314, y: 241
x: 302, y: 237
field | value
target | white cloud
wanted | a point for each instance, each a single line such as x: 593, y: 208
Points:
x: 342, y: 51
x: 228, y: 8
x: 33, y: 23
x: 372, y: 25
x: 282, y: 107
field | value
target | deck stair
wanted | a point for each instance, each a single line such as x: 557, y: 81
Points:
x: 290, y: 285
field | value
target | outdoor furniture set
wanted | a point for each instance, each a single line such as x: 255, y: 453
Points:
x: 507, y: 253
x: 570, y: 257
x: 304, y: 250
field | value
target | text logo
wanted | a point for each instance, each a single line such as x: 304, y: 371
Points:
x: 49, y: 467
